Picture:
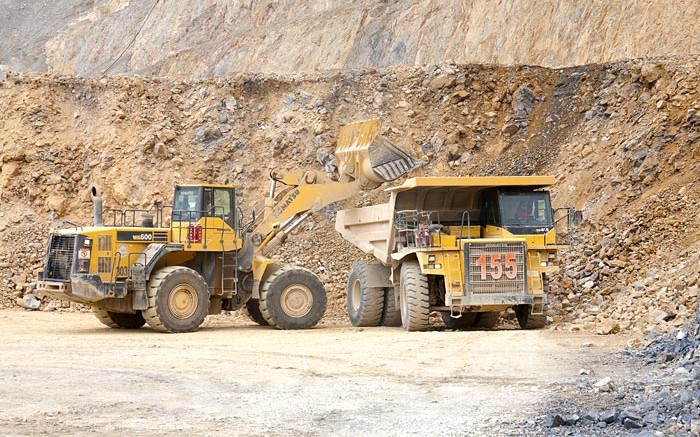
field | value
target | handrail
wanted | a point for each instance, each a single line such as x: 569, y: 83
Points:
x: 469, y: 225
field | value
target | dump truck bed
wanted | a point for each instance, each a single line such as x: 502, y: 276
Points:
x: 372, y: 228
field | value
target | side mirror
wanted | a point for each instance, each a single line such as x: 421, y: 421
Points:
x: 575, y: 216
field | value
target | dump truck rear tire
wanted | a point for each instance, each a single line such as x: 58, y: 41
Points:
x: 415, y: 298
x: 365, y: 304
x: 252, y: 307
x: 119, y: 320
x: 526, y: 320
x: 487, y: 319
x: 178, y: 300
x: 292, y: 298
x: 465, y: 322
x: 391, y: 315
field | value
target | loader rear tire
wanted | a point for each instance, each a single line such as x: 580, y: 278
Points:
x: 465, y: 322
x: 252, y: 307
x: 526, y: 320
x: 414, y: 298
x: 487, y: 320
x: 391, y: 315
x: 178, y: 300
x: 292, y: 298
x: 365, y: 304
x: 119, y: 320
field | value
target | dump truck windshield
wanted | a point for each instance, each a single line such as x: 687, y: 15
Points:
x: 526, y: 212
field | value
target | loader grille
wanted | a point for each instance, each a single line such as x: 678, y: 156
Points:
x: 494, y: 271
x: 59, y: 261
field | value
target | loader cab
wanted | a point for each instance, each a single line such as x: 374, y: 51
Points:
x: 192, y: 202
x: 520, y: 212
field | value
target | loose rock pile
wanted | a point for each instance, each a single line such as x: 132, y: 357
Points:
x: 621, y: 139
x: 664, y: 402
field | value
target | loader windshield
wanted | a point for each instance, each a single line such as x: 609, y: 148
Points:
x: 186, y: 204
x: 526, y: 212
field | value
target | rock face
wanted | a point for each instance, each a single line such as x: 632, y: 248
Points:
x: 204, y: 38
x: 622, y: 140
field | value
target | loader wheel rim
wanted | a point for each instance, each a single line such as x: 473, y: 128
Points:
x: 183, y: 301
x: 297, y: 300
x: 356, y: 295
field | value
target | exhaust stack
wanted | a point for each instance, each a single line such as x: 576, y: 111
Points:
x: 97, y: 207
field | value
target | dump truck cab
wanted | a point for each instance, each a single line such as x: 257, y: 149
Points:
x: 467, y: 247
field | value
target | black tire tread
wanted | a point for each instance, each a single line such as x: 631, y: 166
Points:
x: 391, y: 314
x: 151, y: 313
x: 371, y: 305
x: 119, y: 320
x: 266, y: 307
x: 487, y: 320
x: 417, y: 297
x: 252, y: 309
x: 465, y: 322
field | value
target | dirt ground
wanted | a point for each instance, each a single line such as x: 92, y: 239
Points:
x: 64, y: 373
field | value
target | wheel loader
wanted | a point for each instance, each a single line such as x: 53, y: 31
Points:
x: 466, y: 247
x: 170, y: 266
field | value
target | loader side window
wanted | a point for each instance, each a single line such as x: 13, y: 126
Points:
x: 223, y: 205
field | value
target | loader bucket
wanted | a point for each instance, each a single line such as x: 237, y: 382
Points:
x: 364, y: 155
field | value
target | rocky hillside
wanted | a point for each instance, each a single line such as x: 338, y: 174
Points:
x: 621, y: 138
x: 205, y: 38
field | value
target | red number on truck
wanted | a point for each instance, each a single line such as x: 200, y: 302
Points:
x: 496, y: 264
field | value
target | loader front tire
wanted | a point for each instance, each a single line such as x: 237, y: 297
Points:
x: 292, y: 298
x: 252, y: 307
x: 178, y: 300
x: 119, y: 320
x: 414, y: 298
x: 365, y: 304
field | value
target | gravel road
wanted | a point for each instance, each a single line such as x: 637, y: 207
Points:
x: 64, y: 373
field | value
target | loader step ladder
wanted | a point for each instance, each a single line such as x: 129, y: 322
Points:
x: 229, y: 269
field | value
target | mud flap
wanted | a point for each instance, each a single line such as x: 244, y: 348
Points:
x: 140, y: 300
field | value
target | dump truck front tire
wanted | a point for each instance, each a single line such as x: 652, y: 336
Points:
x: 415, y: 298
x: 178, y: 300
x: 119, y: 320
x: 391, y: 315
x: 292, y: 298
x: 465, y: 322
x: 526, y: 320
x: 487, y: 320
x: 365, y: 304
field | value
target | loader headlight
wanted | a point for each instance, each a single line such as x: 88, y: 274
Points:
x: 87, y: 242
x: 431, y: 258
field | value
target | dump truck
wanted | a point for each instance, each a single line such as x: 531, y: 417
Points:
x: 171, y: 265
x: 467, y: 247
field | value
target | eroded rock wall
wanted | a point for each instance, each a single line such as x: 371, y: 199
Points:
x: 205, y: 38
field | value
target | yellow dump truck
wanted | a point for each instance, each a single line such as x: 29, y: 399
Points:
x: 467, y: 247
x: 172, y: 265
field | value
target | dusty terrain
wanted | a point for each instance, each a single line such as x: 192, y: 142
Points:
x: 64, y: 373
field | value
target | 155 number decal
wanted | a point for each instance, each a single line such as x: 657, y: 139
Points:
x: 496, y: 265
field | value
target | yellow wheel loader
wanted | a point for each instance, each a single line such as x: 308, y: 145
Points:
x: 196, y: 257
x: 467, y: 247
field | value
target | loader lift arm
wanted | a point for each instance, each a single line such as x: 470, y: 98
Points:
x: 365, y: 160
